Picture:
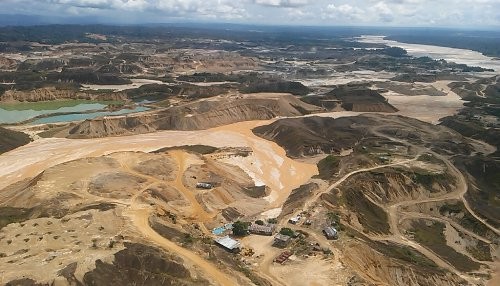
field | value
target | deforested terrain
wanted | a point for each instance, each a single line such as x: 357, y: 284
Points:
x: 180, y: 156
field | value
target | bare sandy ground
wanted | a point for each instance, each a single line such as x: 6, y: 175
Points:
x: 208, y: 83
x: 349, y: 77
x: 427, y: 108
x: 495, y: 278
x: 120, y: 87
x: 43, y: 246
x: 422, y: 107
x: 277, y: 171
x: 313, y: 271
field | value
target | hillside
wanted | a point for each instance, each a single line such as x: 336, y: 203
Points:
x: 198, y: 115
x: 12, y: 139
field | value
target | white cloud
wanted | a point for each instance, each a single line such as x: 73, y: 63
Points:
x: 309, y: 12
x: 344, y: 11
x: 384, y: 13
x: 282, y: 3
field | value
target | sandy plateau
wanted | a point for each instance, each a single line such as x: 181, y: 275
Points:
x: 427, y: 108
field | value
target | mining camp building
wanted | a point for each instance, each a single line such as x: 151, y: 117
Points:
x: 330, y: 232
x: 262, y: 229
x: 281, y: 240
x: 229, y: 244
x: 204, y: 185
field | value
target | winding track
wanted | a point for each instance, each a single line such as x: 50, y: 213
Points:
x: 140, y: 214
x: 396, y: 215
x: 140, y: 217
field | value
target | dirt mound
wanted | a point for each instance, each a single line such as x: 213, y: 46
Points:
x: 314, y: 135
x: 195, y: 116
x: 433, y: 235
x: 389, y: 267
x: 371, y: 216
x: 352, y: 97
x: 482, y: 194
x: 10, y: 140
x: 115, y: 185
x: 7, y: 64
x: 401, y: 184
x: 79, y: 212
x: 310, y: 136
x: 298, y: 197
x: 455, y: 211
x: 275, y: 85
x: 52, y: 93
x: 139, y: 264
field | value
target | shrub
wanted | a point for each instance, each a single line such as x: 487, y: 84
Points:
x: 287, y: 231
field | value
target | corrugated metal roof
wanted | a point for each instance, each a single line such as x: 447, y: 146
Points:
x: 282, y: 237
x: 228, y: 242
x: 262, y: 228
x: 330, y: 231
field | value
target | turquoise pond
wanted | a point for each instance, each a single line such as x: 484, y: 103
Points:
x: 83, y: 116
x: 14, y: 116
x: 63, y: 111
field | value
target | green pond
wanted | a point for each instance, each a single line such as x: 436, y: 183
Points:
x: 83, y: 116
x: 79, y: 109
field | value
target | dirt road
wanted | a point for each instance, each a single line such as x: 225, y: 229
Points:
x: 279, y: 172
x: 140, y: 218
x: 347, y: 176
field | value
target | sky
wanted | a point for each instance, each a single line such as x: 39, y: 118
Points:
x: 407, y: 13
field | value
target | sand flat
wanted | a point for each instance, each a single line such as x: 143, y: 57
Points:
x: 280, y: 173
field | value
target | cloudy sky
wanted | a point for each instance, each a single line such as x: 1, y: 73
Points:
x: 448, y: 13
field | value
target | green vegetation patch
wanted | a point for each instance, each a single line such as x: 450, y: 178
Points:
x: 430, y: 234
x: 463, y: 217
x: 372, y: 217
x: 404, y: 253
x: 328, y: 167
x: 429, y: 179
x: 287, y: 231
x: 240, y: 228
x: 483, y: 194
x: 481, y: 251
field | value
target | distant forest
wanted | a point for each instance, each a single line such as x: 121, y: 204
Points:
x: 486, y: 42
x: 57, y: 34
